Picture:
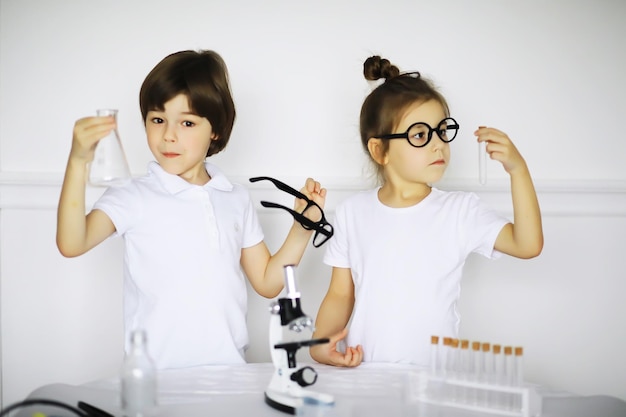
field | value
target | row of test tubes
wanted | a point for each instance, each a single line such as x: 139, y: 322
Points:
x: 483, y: 366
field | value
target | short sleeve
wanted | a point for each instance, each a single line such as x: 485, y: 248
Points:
x: 253, y: 233
x: 121, y: 205
x: 337, y: 252
x: 484, y: 227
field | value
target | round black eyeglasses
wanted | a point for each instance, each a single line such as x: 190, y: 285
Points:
x: 419, y: 134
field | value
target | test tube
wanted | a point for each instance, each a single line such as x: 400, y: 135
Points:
x: 453, y: 366
x: 477, y: 366
x: 464, y: 369
x: 482, y: 161
x: 487, y: 371
x: 453, y: 356
x: 509, y: 374
x: 519, y: 375
x: 519, y: 366
x: 498, y: 374
x: 464, y: 359
x: 443, y: 355
x: 434, y: 355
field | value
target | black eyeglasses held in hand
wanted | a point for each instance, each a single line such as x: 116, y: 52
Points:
x: 323, y: 229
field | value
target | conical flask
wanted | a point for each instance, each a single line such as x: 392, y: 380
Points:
x: 109, y: 167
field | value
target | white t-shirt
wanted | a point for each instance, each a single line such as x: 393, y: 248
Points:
x: 406, y: 264
x: 183, y: 281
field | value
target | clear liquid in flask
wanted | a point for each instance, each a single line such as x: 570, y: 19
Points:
x: 109, y: 167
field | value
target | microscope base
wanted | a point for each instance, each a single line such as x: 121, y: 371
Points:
x: 282, y: 401
x: 288, y: 403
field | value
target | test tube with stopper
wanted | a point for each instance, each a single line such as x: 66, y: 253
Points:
x: 453, y: 357
x: 487, y: 371
x: 519, y: 375
x: 498, y: 373
x: 443, y: 355
x: 482, y: 161
x: 464, y: 359
x: 477, y: 367
x: 453, y: 367
x: 434, y: 355
x: 509, y: 374
x: 519, y: 366
x: 464, y: 368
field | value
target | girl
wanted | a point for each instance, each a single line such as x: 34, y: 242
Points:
x: 399, y: 249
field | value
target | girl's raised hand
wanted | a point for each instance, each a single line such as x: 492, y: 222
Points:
x: 87, y: 132
x: 501, y: 148
x: 328, y: 353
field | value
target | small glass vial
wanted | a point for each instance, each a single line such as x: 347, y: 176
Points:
x: 109, y: 166
x: 482, y: 163
x: 138, y: 378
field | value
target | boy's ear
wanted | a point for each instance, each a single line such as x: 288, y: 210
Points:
x: 376, y: 150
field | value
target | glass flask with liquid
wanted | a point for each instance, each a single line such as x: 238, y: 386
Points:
x: 109, y: 167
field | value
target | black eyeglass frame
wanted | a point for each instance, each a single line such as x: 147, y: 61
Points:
x: 321, y: 227
x: 431, y: 130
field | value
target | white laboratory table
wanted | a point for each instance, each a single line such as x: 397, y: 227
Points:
x: 238, y: 391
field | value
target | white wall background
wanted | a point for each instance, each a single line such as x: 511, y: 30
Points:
x: 549, y: 73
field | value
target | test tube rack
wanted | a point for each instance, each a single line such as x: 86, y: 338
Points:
x: 444, y: 391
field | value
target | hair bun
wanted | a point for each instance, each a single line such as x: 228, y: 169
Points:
x: 376, y: 67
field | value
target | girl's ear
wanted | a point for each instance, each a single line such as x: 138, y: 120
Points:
x: 376, y: 150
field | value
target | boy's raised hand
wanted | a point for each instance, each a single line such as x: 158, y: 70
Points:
x: 87, y: 132
x: 314, y: 191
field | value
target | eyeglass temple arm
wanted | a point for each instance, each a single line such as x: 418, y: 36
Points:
x: 300, y: 218
x: 283, y: 187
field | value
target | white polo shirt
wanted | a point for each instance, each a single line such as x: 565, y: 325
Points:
x: 407, y: 264
x: 183, y: 282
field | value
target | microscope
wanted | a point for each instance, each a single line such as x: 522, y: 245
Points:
x: 286, y: 391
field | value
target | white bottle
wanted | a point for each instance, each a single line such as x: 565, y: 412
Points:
x: 138, y: 378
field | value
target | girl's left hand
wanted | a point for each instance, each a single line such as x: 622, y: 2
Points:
x: 501, y: 148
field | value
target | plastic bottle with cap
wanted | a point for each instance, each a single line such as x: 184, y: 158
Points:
x: 138, y: 378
